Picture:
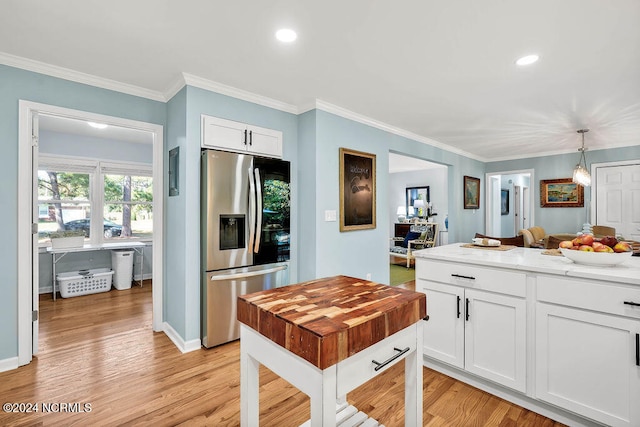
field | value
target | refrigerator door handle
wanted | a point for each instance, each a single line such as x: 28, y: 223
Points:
x: 249, y: 274
x: 252, y: 209
x: 258, y: 233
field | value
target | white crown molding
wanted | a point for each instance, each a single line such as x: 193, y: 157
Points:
x: 175, y: 87
x: 223, y: 89
x: 343, y: 112
x: 78, y: 77
x: 558, y: 152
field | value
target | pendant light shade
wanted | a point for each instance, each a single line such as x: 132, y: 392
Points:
x: 581, y: 175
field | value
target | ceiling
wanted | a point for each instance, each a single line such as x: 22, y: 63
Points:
x: 440, y: 70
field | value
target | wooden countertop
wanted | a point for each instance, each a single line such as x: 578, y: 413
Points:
x: 327, y: 320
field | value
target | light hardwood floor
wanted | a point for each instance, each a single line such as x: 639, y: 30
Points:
x: 100, y: 350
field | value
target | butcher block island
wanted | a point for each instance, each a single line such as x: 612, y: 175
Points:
x: 327, y: 337
x: 535, y: 328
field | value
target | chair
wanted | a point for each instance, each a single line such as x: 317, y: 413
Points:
x: 533, y: 237
x: 512, y: 241
x: 603, y: 230
x: 420, y: 236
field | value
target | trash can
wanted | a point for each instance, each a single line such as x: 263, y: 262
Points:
x: 122, y: 266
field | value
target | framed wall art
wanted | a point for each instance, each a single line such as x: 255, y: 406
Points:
x: 417, y: 193
x: 504, y: 202
x: 561, y: 193
x: 471, y: 192
x: 357, y: 190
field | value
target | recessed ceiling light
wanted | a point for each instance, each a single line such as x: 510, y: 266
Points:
x: 97, y: 125
x: 286, y: 35
x: 527, y: 60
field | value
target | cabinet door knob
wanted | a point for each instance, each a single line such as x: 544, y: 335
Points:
x: 632, y: 303
x: 245, y: 137
x: 458, y: 305
x: 467, y: 309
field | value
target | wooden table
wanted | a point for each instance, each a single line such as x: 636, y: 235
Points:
x: 327, y: 337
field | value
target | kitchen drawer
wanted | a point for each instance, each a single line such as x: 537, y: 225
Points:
x: 503, y: 281
x: 359, y: 368
x: 590, y: 295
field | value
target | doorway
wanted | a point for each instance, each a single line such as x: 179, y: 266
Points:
x: 28, y: 251
x: 509, y: 201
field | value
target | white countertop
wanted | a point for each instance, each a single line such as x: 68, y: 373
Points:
x: 104, y: 246
x: 532, y: 260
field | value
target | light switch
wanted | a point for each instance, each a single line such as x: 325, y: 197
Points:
x: 330, y: 216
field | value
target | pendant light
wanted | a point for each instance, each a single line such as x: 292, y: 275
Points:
x: 581, y: 175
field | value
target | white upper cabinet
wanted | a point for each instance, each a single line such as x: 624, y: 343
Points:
x: 239, y: 137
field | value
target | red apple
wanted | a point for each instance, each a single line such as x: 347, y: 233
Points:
x: 586, y: 239
x: 603, y: 248
x: 585, y: 248
x: 609, y: 241
x: 566, y: 244
x: 622, y: 247
x: 596, y: 246
x: 575, y: 247
x: 577, y: 241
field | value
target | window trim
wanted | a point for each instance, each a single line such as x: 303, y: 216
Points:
x: 96, y: 169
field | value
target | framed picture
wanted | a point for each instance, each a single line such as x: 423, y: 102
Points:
x: 357, y: 190
x: 504, y: 202
x: 417, y: 193
x: 471, y: 192
x: 561, y: 193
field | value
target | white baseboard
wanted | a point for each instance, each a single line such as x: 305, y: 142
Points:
x: 9, y: 364
x: 183, y: 346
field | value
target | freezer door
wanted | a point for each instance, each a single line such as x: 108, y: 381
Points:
x: 227, y: 221
x: 220, y: 294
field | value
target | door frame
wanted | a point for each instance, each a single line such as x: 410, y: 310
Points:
x: 488, y: 211
x: 28, y: 250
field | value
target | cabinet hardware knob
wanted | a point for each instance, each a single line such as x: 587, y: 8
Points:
x: 245, y: 137
x: 250, y: 137
x: 637, y: 304
x: 426, y: 318
x: 637, y: 349
x: 467, y: 309
x: 380, y: 365
x: 458, y: 306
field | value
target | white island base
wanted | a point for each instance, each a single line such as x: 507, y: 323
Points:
x: 558, y: 338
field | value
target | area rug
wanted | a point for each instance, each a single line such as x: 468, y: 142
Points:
x: 400, y: 274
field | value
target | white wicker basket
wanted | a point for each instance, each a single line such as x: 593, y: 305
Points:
x: 84, y: 282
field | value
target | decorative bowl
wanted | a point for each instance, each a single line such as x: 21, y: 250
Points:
x: 602, y: 259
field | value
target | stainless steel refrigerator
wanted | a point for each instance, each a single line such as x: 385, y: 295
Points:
x: 245, y: 235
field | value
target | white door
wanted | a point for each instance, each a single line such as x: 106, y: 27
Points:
x: 618, y: 199
x: 517, y: 208
x: 586, y: 362
x: 526, y: 207
x: 444, y: 331
x: 495, y: 338
x: 222, y: 133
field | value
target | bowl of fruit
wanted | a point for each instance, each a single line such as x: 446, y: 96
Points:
x: 585, y: 249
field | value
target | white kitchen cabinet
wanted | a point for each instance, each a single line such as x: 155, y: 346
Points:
x: 587, y: 355
x: 480, y: 331
x: 239, y: 137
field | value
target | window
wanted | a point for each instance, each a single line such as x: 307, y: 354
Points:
x: 106, y: 201
x: 63, y: 201
x: 128, y: 204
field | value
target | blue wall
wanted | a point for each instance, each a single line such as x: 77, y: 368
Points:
x: 562, y: 220
x: 357, y: 253
x: 18, y: 84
